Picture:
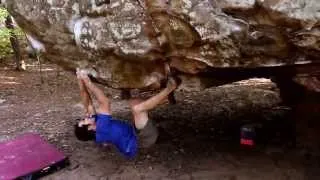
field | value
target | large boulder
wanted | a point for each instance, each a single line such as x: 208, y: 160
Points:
x: 128, y: 43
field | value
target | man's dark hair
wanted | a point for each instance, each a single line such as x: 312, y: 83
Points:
x: 83, y: 134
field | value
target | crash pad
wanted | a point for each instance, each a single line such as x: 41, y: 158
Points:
x: 26, y: 155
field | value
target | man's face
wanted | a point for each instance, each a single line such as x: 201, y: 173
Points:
x: 88, y: 121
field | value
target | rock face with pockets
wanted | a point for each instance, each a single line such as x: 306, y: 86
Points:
x: 129, y: 43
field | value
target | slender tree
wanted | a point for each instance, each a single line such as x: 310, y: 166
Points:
x: 14, y: 43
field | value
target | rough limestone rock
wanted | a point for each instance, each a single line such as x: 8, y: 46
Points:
x: 129, y: 43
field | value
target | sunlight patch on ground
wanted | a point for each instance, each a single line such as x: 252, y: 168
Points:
x: 2, y: 101
x: 250, y: 82
x: 254, y: 81
x: 8, y: 80
x: 47, y: 69
x: 8, y: 77
x: 36, y: 66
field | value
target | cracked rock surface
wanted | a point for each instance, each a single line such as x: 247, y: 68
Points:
x: 128, y: 42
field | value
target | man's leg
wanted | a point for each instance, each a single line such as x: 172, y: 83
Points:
x: 154, y: 101
x: 148, y: 132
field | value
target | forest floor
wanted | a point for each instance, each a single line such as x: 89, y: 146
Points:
x: 199, y: 134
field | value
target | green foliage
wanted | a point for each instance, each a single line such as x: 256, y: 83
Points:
x: 5, y: 46
x: 5, y: 33
x: 3, y: 14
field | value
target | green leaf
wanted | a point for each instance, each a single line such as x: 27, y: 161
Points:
x: 3, y: 14
x: 5, y: 33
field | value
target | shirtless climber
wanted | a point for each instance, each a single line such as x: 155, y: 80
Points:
x: 101, y: 127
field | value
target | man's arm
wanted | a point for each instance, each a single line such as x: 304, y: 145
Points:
x: 86, y: 99
x: 104, y: 103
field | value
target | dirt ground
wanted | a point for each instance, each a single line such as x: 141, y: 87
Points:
x: 199, y: 137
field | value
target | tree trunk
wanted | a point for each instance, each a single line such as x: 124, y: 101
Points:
x: 14, y: 43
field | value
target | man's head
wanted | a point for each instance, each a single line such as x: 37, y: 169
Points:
x: 85, y: 130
